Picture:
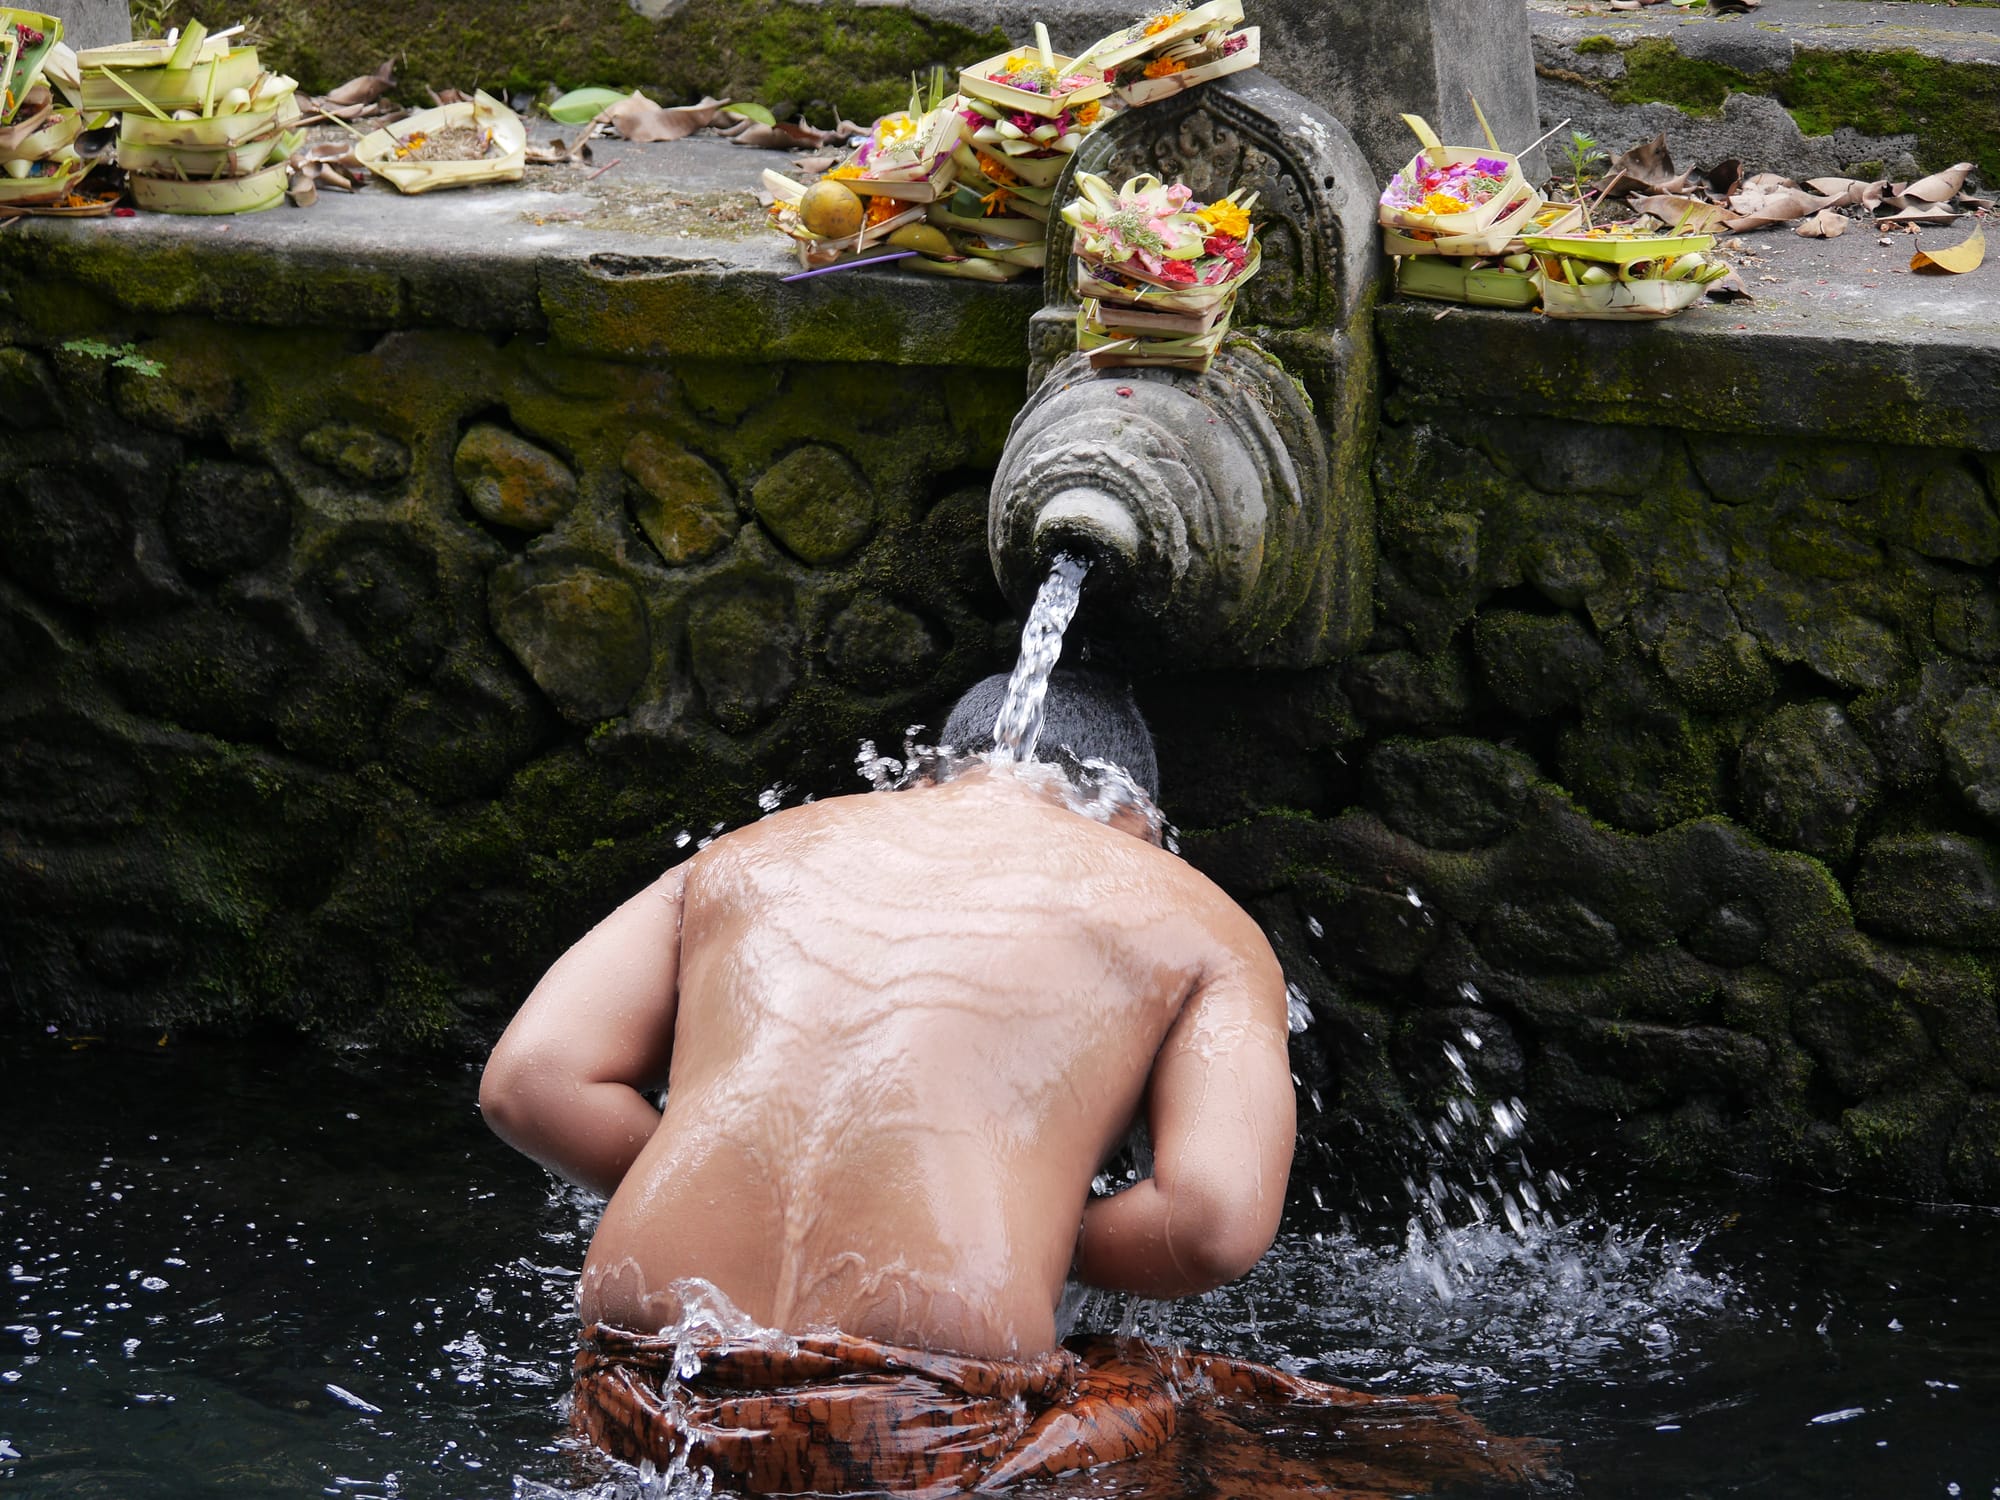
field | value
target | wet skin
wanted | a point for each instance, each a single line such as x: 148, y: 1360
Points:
x: 900, y: 1032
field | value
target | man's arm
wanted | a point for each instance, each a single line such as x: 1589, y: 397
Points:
x: 1221, y: 1115
x: 566, y: 1084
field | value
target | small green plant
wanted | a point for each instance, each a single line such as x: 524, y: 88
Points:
x: 1584, y: 155
x: 149, y: 17
x: 122, y: 356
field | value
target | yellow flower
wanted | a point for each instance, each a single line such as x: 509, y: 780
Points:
x: 844, y: 170
x: 1444, y: 203
x: 1019, y: 60
x: 1165, y: 67
x: 893, y: 130
x: 1226, y: 218
x: 1086, y: 113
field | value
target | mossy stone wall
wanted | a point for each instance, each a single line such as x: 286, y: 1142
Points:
x: 1671, y: 777
x: 347, y: 677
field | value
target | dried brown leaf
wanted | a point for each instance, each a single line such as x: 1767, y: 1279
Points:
x: 1827, y: 224
x: 1939, y: 187
x: 784, y: 136
x: 637, y: 118
x: 363, y: 90
x: 1690, y: 215
x: 1966, y: 255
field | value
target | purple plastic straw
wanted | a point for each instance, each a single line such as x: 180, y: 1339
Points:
x: 849, y: 265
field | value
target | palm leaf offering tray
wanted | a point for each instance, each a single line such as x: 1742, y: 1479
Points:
x: 1159, y: 272
x: 1619, y: 244
x: 39, y: 167
x: 1034, y: 80
x: 203, y: 127
x: 1477, y: 199
x: 1666, y: 278
x: 454, y: 145
x: 829, y: 222
x: 909, y: 154
x: 190, y: 69
x: 1508, y: 282
x: 1167, y: 51
x: 27, y: 37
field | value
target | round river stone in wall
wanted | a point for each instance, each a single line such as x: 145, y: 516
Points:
x: 224, y: 517
x: 580, y: 631
x: 816, y: 503
x: 875, y: 645
x: 510, y: 481
x: 1807, y: 780
x: 743, y: 647
x: 1953, y: 521
x: 678, y: 499
x: 364, y: 456
x: 1931, y: 887
x: 1971, y: 741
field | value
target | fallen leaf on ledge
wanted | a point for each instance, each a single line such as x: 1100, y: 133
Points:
x: 1956, y: 259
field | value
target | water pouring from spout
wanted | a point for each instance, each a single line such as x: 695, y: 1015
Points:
x: 1019, y: 726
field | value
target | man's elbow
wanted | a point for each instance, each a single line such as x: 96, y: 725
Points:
x: 509, y: 1091
x: 1221, y: 1239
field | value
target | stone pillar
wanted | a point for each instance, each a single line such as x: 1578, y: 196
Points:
x: 90, y: 23
x: 1365, y: 62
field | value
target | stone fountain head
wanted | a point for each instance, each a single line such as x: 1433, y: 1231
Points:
x: 1228, y: 516
x: 1173, y: 486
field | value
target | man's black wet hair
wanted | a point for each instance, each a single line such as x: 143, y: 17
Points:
x: 1090, y: 715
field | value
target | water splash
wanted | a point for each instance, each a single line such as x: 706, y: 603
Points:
x: 1019, y: 725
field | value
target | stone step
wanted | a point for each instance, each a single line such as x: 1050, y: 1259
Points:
x: 1804, y: 87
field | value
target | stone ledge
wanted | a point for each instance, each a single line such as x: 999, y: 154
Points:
x: 1801, y: 87
x: 1840, y: 342
x: 664, y: 256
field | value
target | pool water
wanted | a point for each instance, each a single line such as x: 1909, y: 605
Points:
x: 269, y: 1272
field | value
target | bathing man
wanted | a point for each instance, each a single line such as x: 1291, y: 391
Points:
x: 899, y: 1034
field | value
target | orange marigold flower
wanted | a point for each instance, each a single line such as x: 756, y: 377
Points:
x: 1162, y: 21
x: 881, y: 210
x: 1165, y: 67
x: 996, y: 201
x: 997, y: 172
x: 1087, y: 113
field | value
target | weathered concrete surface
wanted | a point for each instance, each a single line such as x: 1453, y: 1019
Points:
x: 1803, y: 87
x: 667, y: 253
x: 1842, y: 339
x: 91, y: 23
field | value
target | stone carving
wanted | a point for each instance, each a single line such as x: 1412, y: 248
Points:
x: 1227, y: 513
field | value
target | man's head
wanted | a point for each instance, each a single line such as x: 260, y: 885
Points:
x: 1090, y: 715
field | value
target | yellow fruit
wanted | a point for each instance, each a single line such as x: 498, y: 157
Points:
x: 831, y: 210
x: 926, y: 239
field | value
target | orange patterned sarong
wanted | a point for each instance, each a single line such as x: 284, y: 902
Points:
x: 834, y: 1415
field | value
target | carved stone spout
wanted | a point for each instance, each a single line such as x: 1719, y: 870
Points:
x: 1184, y: 492
x: 1229, y: 516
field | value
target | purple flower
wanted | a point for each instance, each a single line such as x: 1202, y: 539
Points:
x: 1490, y: 166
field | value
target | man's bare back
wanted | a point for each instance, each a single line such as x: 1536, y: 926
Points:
x: 900, y: 1034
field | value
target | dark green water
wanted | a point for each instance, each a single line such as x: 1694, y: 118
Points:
x: 247, y: 1273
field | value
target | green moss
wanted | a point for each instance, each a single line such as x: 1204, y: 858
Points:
x: 1952, y: 108
x: 1657, y: 73
x: 854, y: 59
